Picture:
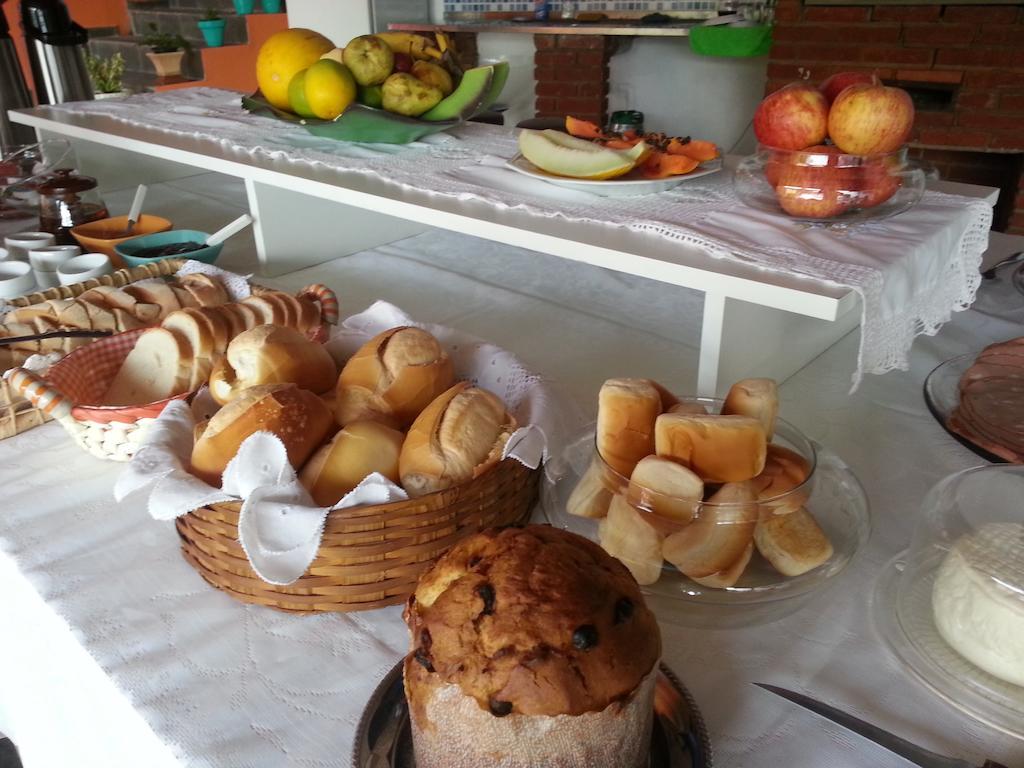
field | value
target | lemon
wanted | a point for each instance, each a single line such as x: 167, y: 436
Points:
x: 297, y: 95
x: 282, y: 56
x: 329, y: 88
x: 564, y: 155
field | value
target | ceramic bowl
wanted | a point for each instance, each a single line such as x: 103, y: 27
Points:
x: 102, y: 235
x: 16, y: 279
x: 128, y: 249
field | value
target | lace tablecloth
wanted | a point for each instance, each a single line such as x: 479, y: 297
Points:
x: 912, y: 272
x: 115, y: 654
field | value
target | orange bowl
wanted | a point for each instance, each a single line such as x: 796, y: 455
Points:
x: 102, y: 235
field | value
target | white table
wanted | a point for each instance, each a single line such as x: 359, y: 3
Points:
x: 308, y: 214
x: 109, y: 655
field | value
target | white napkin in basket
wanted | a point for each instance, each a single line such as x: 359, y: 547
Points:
x: 279, y: 524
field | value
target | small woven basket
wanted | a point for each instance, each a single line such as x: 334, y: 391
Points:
x: 369, y: 556
x: 17, y: 414
x: 74, y: 385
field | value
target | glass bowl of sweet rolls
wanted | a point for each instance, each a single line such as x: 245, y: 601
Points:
x: 726, y: 514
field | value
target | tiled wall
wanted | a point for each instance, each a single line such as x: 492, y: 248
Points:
x: 459, y: 8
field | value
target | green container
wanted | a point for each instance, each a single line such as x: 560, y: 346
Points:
x: 271, y: 6
x: 129, y: 248
x: 731, y: 42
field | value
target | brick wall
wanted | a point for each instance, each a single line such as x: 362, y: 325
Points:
x: 571, y: 72
x: 976, y: 52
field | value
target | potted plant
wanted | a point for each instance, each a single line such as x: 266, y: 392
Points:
x: 271, y: 6
x: 212, y: 27
x: 168, y: 51
x: 244, y: 6
x: 105, y: 74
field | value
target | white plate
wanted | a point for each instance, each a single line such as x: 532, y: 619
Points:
x: 624, y: 186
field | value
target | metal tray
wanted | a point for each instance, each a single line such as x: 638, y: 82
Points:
x: 679, y: 740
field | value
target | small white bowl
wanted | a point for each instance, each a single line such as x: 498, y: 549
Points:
x: 49, y: 257
x: 4, y: 254
x: 16, y: 279
x: 19, y: 244
x: 84, y: 267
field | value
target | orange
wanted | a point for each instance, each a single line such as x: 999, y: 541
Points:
x: 284, y: 55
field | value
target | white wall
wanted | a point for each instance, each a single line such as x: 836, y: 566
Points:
x: 340, y: 20
x: 682, y: 93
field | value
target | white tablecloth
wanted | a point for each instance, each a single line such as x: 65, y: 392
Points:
x: 113, y: 652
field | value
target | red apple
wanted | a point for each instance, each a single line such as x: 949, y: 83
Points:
x: 403, y: 62
x: 793, y: 117
x: 812, y: 186
x: 876, y: 184
x: 870, y: 119
x: 834, y: 85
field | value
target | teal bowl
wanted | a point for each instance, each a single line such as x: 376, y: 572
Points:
x: 207, y: 254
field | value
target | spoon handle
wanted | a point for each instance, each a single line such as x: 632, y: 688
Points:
x: 234, y: 227
x: 136, y: 209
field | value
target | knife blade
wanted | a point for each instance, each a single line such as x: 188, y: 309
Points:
x: 905, y: 749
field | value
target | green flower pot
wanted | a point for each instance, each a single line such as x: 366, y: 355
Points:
x: 271, y: 6
x: 213, y: 32
x: 244, y: 6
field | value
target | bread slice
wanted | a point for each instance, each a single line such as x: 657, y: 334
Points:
x: 30, y: 313
x: 112, y: 297
x: 626, y: 413
x: 721, y: 449
x: 792, y: 543
x: 309, y: 313
x: 717, y: 538
x: 235, y: 322
x: 217, y: 325
x: 126, y: 321
x: 75, y: 316
x: 268, y: 312
x: 667, y: 490
x: 208, y: 291
x: 156, y: 368
x: 250, y: 316
x: 101, y: 317
x: 157, y: 292
x: 284, y: 308
x: 184, y: 297
x: 192, y: 329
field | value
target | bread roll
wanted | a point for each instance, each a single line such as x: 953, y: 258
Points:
x: 297, y: 416
x: 271, y: 354
x: 157, y: 367
x: 357, y: 450
x: 784, y: 470
x: 792, y: 543
x: 756, y: 398
x: 593, y: 493
x: 456, y: 438
x: 721, y: 449
x: 393, y: 377
x: 716, y: 539
x: 667, y: 490
x: 627, y: 536
x: 626, y: 411
x: 731, y: 575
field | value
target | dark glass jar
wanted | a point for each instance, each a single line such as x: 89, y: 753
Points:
x: 626, y: 120
x: 67, y: 200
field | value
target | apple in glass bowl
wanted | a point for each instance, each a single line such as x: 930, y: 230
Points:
x: 823, y: 184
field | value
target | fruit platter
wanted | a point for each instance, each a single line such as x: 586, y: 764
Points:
x: 611, y: 164
x: 390, y: 87
x: 834, y: 152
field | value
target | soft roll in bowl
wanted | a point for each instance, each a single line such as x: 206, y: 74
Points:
x: 718, y: 540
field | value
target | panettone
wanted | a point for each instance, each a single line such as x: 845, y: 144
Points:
x: 530, y: 647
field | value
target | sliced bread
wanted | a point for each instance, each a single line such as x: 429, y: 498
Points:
x: 157, y: 367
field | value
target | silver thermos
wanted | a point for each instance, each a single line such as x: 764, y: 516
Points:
x: 13, y: 92
x: 56, y: 52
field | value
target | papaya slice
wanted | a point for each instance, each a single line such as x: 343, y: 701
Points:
x: 699, y: 150
x: 622, y: 143
x: 662, y: 165
x: 583, y: 129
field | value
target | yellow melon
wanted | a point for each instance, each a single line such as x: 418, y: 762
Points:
x: 282, y: 56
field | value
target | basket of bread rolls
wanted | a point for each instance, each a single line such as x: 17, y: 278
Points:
x: 58, y: 320
x: 397, y: 412
x: 106, y: 394
x: 725, y: 513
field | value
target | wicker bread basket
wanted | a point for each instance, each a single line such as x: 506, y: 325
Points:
x: 74, y: 385
x: 369, y: 556
x: 17, y: 414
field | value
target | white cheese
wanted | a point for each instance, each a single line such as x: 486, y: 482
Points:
x: 978, y: 600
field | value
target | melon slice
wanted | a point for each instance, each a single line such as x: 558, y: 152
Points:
x: 564, y: 155
x: 466, y: 99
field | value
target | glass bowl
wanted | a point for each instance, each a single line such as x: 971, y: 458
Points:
x: 822, y: 184
x: 951, y: 607
x: 22, y: 168
x: 830, y: 493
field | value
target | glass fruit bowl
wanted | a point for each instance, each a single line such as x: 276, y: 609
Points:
x: 951, y: 607
x: 823, y: 184
x: 719, y: 541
